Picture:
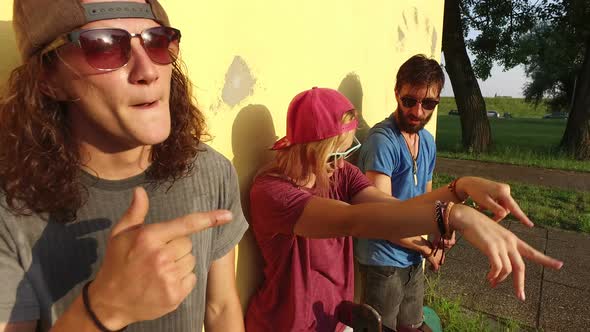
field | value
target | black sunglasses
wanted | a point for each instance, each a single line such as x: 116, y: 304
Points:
x: 427, y: 104
x: 110, y: 48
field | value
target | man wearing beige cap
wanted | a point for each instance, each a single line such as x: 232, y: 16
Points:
x: 113, y: 212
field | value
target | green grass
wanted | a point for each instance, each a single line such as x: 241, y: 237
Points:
x: 515, y: 106
x: 546, y: 206
x: 456, y: 319
x: 528, y: 142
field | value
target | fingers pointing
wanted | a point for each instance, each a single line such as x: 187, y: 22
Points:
x: 535, y: 256
x: 189, y: 224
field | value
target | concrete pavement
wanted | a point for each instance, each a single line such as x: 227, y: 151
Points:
x: 555, y: 300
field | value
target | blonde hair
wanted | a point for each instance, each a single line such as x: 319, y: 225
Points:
x: 300, y: 162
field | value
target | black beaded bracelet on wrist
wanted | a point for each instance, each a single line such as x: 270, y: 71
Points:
x: 442, y: 228
x: 439, y: 215
x: 95, y: 320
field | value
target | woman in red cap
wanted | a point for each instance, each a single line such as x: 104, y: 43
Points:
x: 309, y: 202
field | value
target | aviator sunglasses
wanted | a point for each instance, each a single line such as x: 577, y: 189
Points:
x: 110, y: 48
x: 427, y: 104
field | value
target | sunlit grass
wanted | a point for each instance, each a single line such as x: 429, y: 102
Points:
x: 454, y: 318
x: 527, y: 142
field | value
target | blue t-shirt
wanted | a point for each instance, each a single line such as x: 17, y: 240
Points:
x: 385, y: 151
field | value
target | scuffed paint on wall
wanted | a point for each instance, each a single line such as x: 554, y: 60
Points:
x: 239, y: 82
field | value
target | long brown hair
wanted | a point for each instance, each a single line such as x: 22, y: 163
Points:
x: 301, y: 162
x: 39, y: 160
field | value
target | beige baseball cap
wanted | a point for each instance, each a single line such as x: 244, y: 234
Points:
x: 38, y: 22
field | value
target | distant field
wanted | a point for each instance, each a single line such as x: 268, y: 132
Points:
x: 520, y: 141
x: 515, y: 106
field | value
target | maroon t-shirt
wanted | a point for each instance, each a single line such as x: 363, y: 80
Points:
x: 305, y: 279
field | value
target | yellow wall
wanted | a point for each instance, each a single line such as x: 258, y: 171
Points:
x: 247, y: 60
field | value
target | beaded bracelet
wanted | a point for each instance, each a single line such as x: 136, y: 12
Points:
x: 442, y: 218
x: 439, y: 217
x: 447, y: 220
x: 95, y: 320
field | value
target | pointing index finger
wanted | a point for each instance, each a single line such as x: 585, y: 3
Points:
x: 535, y: 256
x: 189, y: 224
x: 515, y: 210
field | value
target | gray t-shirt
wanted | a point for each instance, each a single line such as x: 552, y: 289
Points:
x: 44, y: 264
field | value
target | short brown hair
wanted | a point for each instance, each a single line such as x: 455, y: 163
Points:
x: 420, y: 71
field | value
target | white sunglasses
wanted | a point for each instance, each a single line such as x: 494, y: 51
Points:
x: 347, y: 153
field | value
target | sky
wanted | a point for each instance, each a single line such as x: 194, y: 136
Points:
x: 501, y: 83
x: 508, y: 83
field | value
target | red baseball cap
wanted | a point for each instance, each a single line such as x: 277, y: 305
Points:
x: 314, y: 115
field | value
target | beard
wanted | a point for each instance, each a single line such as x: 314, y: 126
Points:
x: 403, y: 122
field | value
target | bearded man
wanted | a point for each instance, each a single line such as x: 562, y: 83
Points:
x: 399, y: 156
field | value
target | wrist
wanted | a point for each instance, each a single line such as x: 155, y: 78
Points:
x: 458, y: 188
x: 105, y: 312
x: 455, y: 218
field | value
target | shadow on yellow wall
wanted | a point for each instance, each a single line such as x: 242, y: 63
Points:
x: 10, y: 57
x: 352, y: 89
x: 253, y: 133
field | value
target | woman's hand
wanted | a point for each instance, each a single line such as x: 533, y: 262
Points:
x: 503, y: 249
x: 492, y: 196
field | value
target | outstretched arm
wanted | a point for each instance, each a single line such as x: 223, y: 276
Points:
x: 391, y: 220
x: 388, y: 220
x: 489, y: 195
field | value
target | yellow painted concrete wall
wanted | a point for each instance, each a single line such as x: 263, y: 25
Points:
x: 247, y: 59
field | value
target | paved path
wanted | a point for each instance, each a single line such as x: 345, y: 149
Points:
x: 556, y: 300
x: 506, y: 172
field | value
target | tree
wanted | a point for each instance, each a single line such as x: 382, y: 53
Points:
x: 551, y: 64
x: 576, y: 139
x: 571, y: 17
x: 551, y: 39
x: 475, y: 127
